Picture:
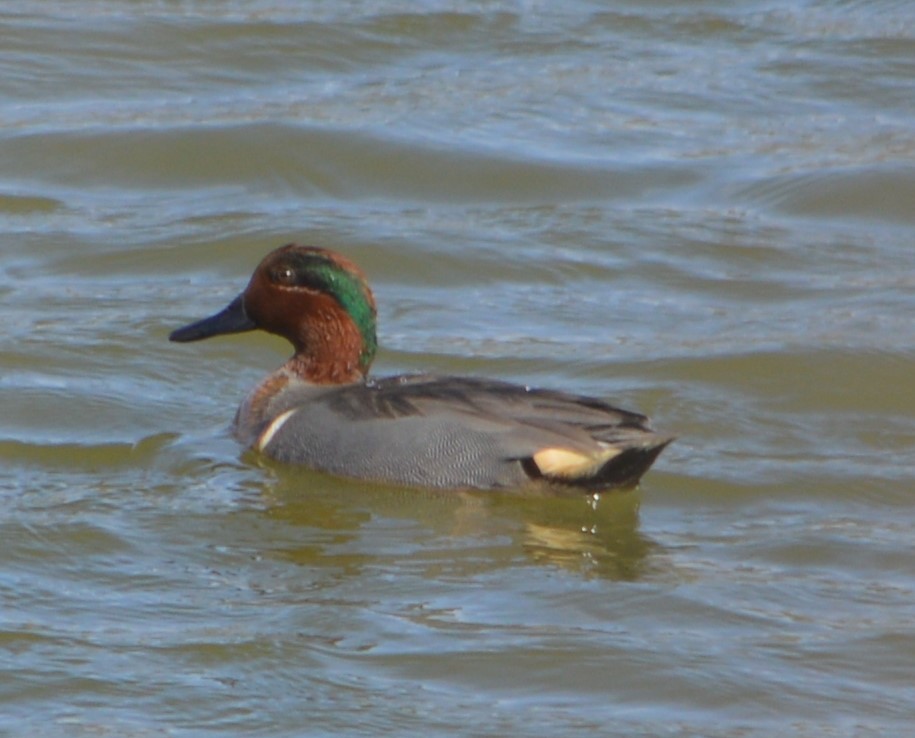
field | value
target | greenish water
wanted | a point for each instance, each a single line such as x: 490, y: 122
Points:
x: 701, y: 211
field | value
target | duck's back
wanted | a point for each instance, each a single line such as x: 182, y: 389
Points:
x: 452, y: 432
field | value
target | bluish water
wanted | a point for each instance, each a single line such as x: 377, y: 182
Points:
x: 700, y: 210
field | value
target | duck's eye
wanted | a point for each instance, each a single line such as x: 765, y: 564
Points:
x: 284, y: 275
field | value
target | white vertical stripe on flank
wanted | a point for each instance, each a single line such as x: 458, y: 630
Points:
x: 270, y: 430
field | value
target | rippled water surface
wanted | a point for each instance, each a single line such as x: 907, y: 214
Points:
x: 702, y: 210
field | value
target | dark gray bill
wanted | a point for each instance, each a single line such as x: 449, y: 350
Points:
x: 231, y: 320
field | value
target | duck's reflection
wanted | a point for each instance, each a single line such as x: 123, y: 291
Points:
x: 353, y: 524
x: 597, y: 535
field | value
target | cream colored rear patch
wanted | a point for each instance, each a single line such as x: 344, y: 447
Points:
x: 271, y: 430
x: 568, y: 464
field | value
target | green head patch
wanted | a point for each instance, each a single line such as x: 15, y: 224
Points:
x: 315, y: 270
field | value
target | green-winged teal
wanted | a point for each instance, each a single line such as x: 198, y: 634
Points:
x: 322, y: 411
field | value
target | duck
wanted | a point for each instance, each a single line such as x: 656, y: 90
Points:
x: 322, y: 410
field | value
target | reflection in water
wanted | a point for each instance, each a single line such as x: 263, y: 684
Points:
x: 597, y: 535
x: 458, y: 532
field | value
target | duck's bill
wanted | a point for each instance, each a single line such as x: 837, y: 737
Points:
x: 231, y: 320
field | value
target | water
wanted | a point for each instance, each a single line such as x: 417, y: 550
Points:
x: 700, y: 210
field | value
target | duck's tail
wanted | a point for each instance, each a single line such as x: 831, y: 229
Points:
x: 616, y: 466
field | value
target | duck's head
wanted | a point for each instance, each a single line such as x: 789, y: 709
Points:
x: 316, y: 299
